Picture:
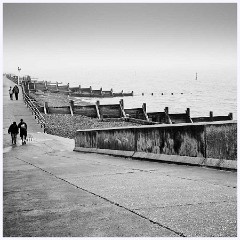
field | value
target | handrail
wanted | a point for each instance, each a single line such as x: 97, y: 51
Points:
x: 34, y: 109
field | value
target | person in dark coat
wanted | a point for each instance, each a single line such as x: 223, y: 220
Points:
x: 10, y: 93
x: 13, y: 130
x: 16, y: 91
x: 23, y: 131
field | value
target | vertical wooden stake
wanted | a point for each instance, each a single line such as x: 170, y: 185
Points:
x: 97, y: 109
x: 144, y: 107
x: 122, y: 108
x: 72, y: 107
x: 168, y: 119
x: 211, y: 116
x: 45, y: 107
x: 188, y: 115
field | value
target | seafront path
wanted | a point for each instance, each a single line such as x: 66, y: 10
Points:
x: 51, y: 191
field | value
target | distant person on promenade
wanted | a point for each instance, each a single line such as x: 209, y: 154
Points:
x: 16, y: 91
x: 23, y: 131
x: 13, y: 130
x: 11, y: 93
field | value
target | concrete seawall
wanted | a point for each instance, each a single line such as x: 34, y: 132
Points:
x: 207, y: 144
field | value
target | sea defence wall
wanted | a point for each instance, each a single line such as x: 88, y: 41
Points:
x: 206, y: 144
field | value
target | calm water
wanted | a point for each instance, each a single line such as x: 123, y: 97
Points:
x: 213, y: 91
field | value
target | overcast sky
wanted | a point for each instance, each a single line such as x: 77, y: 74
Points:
x: 49, y: 37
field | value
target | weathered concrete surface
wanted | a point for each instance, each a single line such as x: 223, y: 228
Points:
x: 221, y: 141
x: 209, y: 144
x: 51, y: 191
x: 116, y: 140
x: 184, y: 140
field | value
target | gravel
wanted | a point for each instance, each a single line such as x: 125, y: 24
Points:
x: 53, y: 99
x: 65, y: 125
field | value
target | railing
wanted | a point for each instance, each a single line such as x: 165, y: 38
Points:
x: 34, y: 109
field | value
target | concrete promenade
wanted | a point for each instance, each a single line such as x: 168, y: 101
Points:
x: 51, y: 191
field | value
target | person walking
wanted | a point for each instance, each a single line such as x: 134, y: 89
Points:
x: 13, y: 130
x: 16, y: 91
x: 11, y: 93
x: 23, y: 131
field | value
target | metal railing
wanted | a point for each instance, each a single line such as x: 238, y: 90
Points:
x: 37, y: 114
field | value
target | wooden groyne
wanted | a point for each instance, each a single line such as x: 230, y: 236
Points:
x: 46, y: 86
x: 137, y: 115
x: 100, y: 93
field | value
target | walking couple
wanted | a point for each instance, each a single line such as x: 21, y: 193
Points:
x: 13, y: 130
x: 14, y: 90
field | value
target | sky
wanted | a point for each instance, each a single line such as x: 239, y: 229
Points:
x: 74, y: 37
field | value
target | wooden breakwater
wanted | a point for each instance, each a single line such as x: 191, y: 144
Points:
x: 46, y: 86
x: 100, y: 93
x: 139, y: 115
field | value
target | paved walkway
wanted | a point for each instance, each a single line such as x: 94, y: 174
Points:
x: 51, y: 191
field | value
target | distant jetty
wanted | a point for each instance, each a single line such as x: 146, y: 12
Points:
x: 89, y: 92
x: 56, y: 87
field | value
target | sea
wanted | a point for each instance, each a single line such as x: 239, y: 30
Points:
x: 214, y: 91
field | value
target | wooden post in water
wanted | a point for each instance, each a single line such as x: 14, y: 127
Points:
x: 144, y: 107
x: 188, y: 115
x: 230, y: 116
x: 71, y: 107
x: 97, y: 109
x: 111, y: 90
x: 166, y: 110
x: 123, y: 114
x: 122, y: 103
x: 167, y: 118
x: 211, y: 116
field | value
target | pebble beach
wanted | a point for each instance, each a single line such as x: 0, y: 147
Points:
x: 65, y: 125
